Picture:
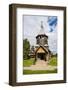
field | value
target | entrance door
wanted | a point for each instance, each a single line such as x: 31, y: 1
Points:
x: 41, y: 56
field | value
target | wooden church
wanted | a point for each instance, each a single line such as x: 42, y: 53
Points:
x: 42, y: 51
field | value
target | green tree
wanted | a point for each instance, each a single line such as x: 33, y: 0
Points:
x: 26, y: 49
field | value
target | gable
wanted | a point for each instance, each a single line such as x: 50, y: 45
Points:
x: 40, y: 50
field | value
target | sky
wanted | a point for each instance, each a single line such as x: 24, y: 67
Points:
x: 32, y: 26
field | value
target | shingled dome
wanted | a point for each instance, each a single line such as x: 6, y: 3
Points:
x: 41, y: 32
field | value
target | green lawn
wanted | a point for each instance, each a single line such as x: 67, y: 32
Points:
x: 29, y: 62
x: 53, y: 61
x: 39, y: 71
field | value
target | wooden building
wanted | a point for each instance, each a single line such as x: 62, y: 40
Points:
x: 42, y: 51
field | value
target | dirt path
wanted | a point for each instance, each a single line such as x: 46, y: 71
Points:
x: 40, y: 65
x: 40, y: 68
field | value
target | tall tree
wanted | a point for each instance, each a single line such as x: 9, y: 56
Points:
x: 26, y: 49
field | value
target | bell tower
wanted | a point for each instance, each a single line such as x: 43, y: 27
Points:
x: 42, y: 38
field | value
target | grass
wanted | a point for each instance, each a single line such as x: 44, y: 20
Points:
x: 53, y: 61
x: 29, y: 62
x: 39, y: 71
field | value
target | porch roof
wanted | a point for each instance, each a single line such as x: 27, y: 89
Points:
x: 41, y: 50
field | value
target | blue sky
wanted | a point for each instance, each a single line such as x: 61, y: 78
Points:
x: 32, y: 26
